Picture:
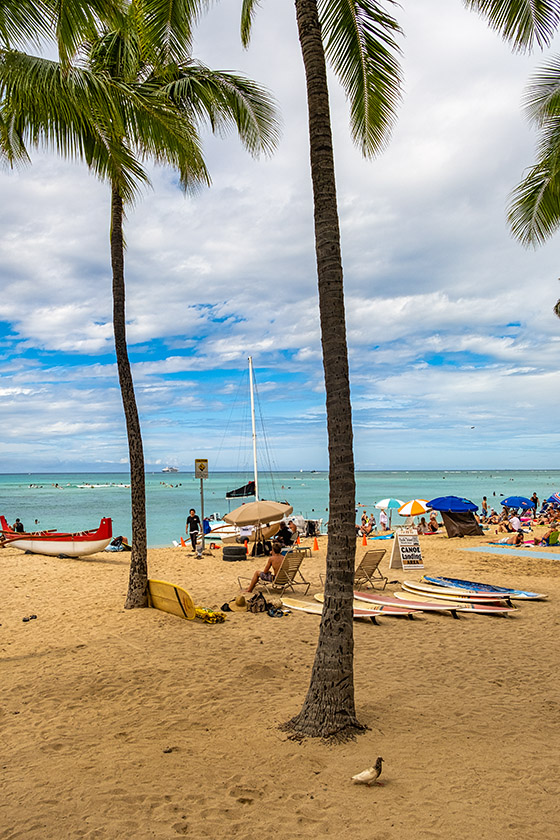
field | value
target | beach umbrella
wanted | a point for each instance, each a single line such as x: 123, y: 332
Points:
x: 416, y: 507
x: 389, y: 504
x: 454, y: 504
x: 517, y: 502
x: 555, y: 498
x: 254, y: 513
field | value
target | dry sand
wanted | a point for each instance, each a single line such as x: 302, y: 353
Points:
x: 138, y: 724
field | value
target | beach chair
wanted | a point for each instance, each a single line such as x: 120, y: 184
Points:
x: 367, y: 572
x: 286, y: 577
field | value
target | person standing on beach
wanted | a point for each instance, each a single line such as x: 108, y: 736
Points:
x: 18, y: 526
x: 193, y: 527
x: 383, y: 520
x: 484, y: 507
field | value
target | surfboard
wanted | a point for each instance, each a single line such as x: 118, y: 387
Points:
x: 456, y: 594
x: 171, y: 599
x: 459, y: 606
x: 317, y: 609
x: 516, y: 594
x: 385, y: 608
x: 426, y: 605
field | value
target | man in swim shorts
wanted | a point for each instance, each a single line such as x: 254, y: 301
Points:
x: 270, y: 570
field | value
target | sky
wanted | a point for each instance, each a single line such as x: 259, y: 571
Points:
x: 453, y: 344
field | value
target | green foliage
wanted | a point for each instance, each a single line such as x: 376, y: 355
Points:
x: 522, y: 22
x: 359, y: 39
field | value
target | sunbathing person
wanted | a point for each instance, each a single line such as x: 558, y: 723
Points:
x: 271, y: 568
x: 515, y: 539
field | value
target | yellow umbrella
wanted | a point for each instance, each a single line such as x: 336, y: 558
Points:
x: 416, y: 507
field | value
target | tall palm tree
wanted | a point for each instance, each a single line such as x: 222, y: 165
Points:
x: 358, y: 37
x: 135, y: 96
x: 534, y: 212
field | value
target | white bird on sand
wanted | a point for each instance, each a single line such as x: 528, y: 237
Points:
x: 367, y: 777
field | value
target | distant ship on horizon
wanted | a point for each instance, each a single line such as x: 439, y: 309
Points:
x: 170, y: 470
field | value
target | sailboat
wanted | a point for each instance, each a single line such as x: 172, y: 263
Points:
x: 228, y: 532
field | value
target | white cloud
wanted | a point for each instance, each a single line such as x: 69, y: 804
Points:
x: 430, y: 272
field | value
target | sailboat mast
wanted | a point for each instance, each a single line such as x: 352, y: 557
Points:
x: 254, y: 429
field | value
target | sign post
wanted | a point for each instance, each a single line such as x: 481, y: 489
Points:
x: 201, y: 470
x: 406, y: 553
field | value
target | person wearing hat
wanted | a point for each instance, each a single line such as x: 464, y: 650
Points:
x: 270, y: 570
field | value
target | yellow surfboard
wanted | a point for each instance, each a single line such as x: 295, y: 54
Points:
x: 171, y: 599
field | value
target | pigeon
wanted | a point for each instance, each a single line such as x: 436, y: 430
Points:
x: 367, y: 777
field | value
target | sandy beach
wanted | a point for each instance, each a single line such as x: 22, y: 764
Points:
x: 138, y: 724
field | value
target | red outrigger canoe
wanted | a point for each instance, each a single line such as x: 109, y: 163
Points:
x: 55, y: 543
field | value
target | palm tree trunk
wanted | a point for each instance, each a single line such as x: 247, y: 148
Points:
x: 329, y: 708
x: 137, y: 595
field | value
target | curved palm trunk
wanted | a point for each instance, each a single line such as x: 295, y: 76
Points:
x: 137, y: 595
x: 329, y: 708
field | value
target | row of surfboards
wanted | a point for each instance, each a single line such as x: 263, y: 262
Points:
x: 430, y: 594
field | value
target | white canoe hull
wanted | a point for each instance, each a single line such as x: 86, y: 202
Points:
x: 70, y: 548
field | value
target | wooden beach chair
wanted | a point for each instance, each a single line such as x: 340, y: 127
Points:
x: 367, y: 571
x: 286, y: 577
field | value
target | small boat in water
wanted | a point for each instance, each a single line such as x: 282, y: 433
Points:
x: 56, y: 543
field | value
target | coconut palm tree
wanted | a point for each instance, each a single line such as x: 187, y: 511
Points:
x: 359, y: 39
x: 534, y: 212
x: 132, y: 94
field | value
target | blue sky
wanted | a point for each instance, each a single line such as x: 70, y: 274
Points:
x: 454, y: 348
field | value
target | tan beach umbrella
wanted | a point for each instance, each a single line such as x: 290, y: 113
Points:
x: 254, y: 513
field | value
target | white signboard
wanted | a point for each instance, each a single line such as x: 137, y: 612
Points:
x: 201, y: 467
x: 406, y: 552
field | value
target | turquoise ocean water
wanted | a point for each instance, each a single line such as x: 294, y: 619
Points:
x: 77, y: 501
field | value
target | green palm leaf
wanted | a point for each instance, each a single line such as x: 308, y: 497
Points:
x: 361, y: 47
x: 523, y: 22
x: 226, y: 101
x: 534, y: 213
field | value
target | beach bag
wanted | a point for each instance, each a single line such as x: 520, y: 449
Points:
x: 257, y: 604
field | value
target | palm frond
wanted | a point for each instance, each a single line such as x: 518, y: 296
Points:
x: 534, y: 211
x: 25, y: 21
x: 12, y: 147
x: 248, y: 9
x: 360, y: 44
x: 226, y: 100
x: 169, y: 24
x: 541, y: 99
x: 522, y: 22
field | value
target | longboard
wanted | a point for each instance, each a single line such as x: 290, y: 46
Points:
x: 516, y: 594
x: 426, y: 605
x: 460, y: 606
x: 385, y: 608
x: 317, y: 609
x: 171, y: 599
x: 455, y: 594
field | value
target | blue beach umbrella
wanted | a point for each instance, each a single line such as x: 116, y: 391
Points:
x: 517, y: 502
x: 455, y: 504
x: 555, y: 498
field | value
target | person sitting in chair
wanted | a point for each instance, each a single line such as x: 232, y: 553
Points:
x: 271, y: 568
